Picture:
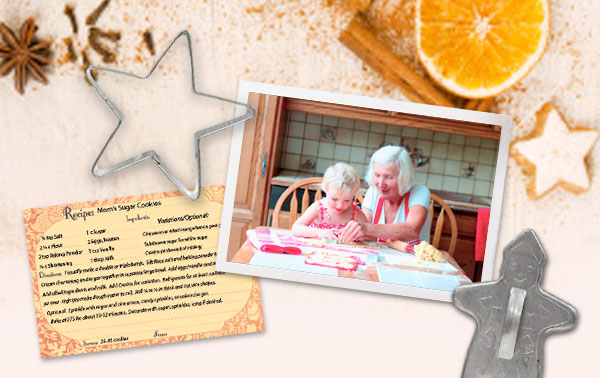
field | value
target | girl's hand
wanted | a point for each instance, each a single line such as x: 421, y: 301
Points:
x: 329, y: 234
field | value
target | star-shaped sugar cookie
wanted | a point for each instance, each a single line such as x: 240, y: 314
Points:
x: 554, y: 154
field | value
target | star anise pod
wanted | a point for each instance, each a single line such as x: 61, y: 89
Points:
x: 23, y: 53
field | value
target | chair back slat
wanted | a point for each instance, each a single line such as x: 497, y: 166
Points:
x: 439, y: 226
x: 294, y: 208
x: 291, y: 190
x: 445, y: 212
x: 305, y: 200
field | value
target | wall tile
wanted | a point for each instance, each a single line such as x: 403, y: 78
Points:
x: 452, y: 168
x: 344, y: 136
x: 425, y: 135
x: 425, y: 146
x: 297, y: 116
x: 465, y: 185
x: 471, y: 154
x: 358, y: 154
x: 473, y: 141
x: 409, y: 132
x: 487, y: 156
x: 437, y: 166
x: 356, y: 141
x: 455, y: 151
x: 295, y: 129
x: 312, y: 131
x: 441, y: 137
x: 294, y: 145
x: 326, y: 150
x: 393, y: 140
x: 482, y: 188
x: 360, y: 169
x: 328, y: 134
x: 393, y: 130
x: 292, y: 162
x: 361, y: 125
x: 450, y: 184
x: 435, y: 181
x: 359, y: 138
x: 308, y: 164
x: 341, y: 152
x: 310, y: 147
x: 314, y: 118
x: 411, y: 142
x: 483, y: 172
x: 346, y: 123
x: 323, y: 164
x: 421, y: 178
x: 464, y: 169
x: 370, y: 152
x: 489, y: 143
x: 330, y: 121
x: 375, y: 140
x: 377, y: 128
x: 439, y: 150
x: 457, y: 139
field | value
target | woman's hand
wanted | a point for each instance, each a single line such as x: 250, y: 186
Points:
x: 353, y: 231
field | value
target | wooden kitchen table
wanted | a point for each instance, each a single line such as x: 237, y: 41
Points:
x: 364, y: 272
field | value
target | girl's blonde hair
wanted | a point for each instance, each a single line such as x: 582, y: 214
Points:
x: 398, y: 157
x: 341, y: 177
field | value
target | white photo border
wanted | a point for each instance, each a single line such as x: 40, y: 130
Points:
x: 247, y: 87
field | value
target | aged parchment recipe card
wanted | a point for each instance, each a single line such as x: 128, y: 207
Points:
x: 134, y: 271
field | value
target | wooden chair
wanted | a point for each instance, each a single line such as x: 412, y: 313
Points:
x: 312, y: 183
x: 437, y: 233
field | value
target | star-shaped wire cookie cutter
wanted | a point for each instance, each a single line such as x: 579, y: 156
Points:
x: 151, y: 154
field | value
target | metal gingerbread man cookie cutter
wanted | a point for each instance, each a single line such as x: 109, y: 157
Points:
x: 151, y: 154
x: 513, y: 314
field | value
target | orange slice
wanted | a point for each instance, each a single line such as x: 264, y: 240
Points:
x: 479, y: 48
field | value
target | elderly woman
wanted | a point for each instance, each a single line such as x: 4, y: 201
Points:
x: 396, y: 207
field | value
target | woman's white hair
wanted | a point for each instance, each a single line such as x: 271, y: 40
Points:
x: 398, y: 157
x: 341, y: 177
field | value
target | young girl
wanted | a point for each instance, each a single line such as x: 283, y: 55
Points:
x: 327, y: 217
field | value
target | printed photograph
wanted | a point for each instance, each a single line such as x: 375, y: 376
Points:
x: 363, y: 193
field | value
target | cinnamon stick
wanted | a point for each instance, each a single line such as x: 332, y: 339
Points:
x: 485, y: 104
x: 360, y: 5
x: 472, y: 104
x: 360, y: 38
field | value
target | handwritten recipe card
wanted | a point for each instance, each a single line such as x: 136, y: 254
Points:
x: 134, y: 271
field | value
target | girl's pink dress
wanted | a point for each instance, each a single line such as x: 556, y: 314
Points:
x: 337, y: 228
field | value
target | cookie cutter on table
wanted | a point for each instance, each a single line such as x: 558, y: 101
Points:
x: 286, y: 250
x: 151, y: 154
x: 514, y: 314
